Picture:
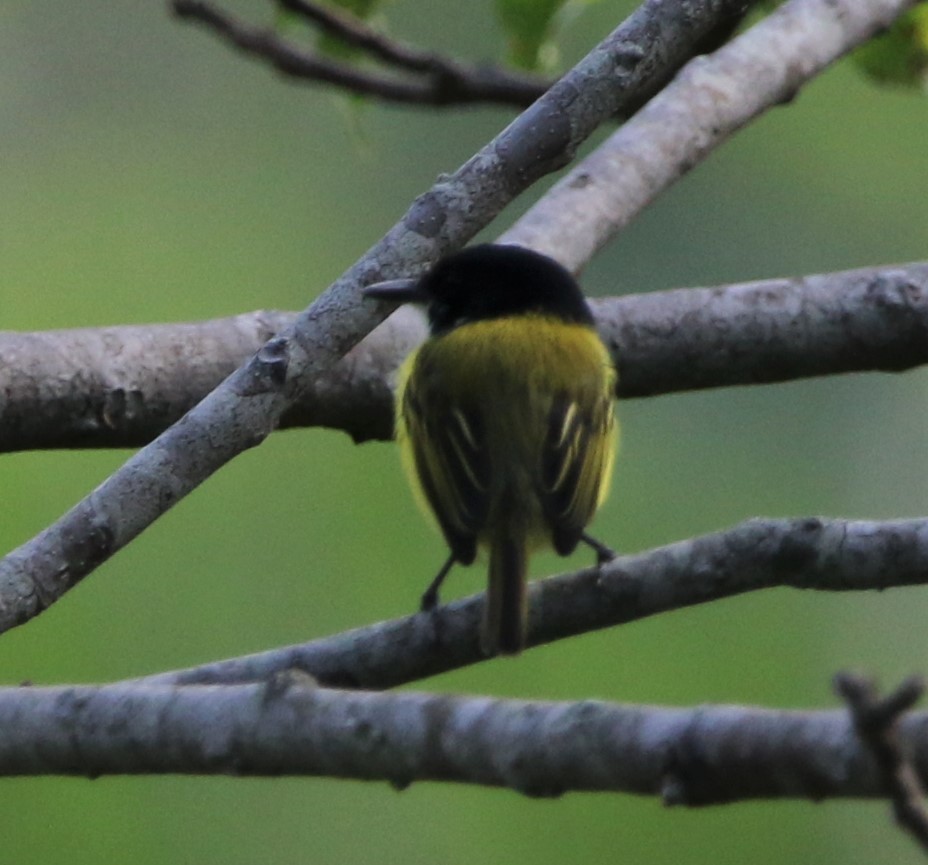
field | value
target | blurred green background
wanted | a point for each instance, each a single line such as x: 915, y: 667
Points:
x: 150, y: 174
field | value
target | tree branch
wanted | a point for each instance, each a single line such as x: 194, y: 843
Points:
x: 118, y: 386
x: 769, y: 331
x: 878, y: 723
x: 710, y: 100
x: 704, y: 756
x: 49, y: 404
x: 811, y: 553
x: 337, y: 21
x: 248, y: 405
x: 121, y: 386
x: 441, y: 81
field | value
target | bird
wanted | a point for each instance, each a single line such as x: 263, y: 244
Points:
x: 504, y: 417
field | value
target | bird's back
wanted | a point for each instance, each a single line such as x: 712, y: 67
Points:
x: 506, y: 381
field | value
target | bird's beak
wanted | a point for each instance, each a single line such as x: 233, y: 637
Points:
x: 397, y: 291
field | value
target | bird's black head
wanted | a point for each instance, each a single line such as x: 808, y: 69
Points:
x: 491, y: 281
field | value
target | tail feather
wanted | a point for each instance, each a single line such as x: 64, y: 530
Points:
x: 505, y: 614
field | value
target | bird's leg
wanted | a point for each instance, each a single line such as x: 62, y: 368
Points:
x: 430, y: 596
x: 603, y: 553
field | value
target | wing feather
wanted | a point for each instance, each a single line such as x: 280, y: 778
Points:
x: 575, y: 461
x: 452, y: 462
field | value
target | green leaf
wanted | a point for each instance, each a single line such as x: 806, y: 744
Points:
x: 900, y: 55
x: 528, y: 25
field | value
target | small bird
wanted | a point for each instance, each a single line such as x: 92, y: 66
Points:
x: 504, y: 418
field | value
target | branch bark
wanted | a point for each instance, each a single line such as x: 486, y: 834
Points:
x: 709, y: 755
x: 248, y: 405
x: 811, y: 553
x: 709, y: 100
x: 121, y: 386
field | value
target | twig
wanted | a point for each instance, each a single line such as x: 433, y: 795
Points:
x: 121, y: 386
x: 244, y: 409
x: 813, y: 553
x: 442, y: 81
x: 877, y: 723
x: 705, y: 756
x: 338, y: 22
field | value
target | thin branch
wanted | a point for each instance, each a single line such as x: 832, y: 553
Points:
x: 878, y: 722
x: 522, y: 87
x: 248, y: 405
x: 442, y: 81
x: 338, y: 22
x: 710, y: 755
x: 121, y: 386
x: 813, y: 553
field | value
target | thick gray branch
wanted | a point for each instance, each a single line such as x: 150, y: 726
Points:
x: 769, y: 331
x: 248, y: 405
x: 121, y: 386
x: 710, y: 99
x: 813, y: 553
x: 709, y: 755
x: 117, y: 386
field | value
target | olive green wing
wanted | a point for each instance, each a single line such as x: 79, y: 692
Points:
x: 576, y: 463
x: 451, y: 460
